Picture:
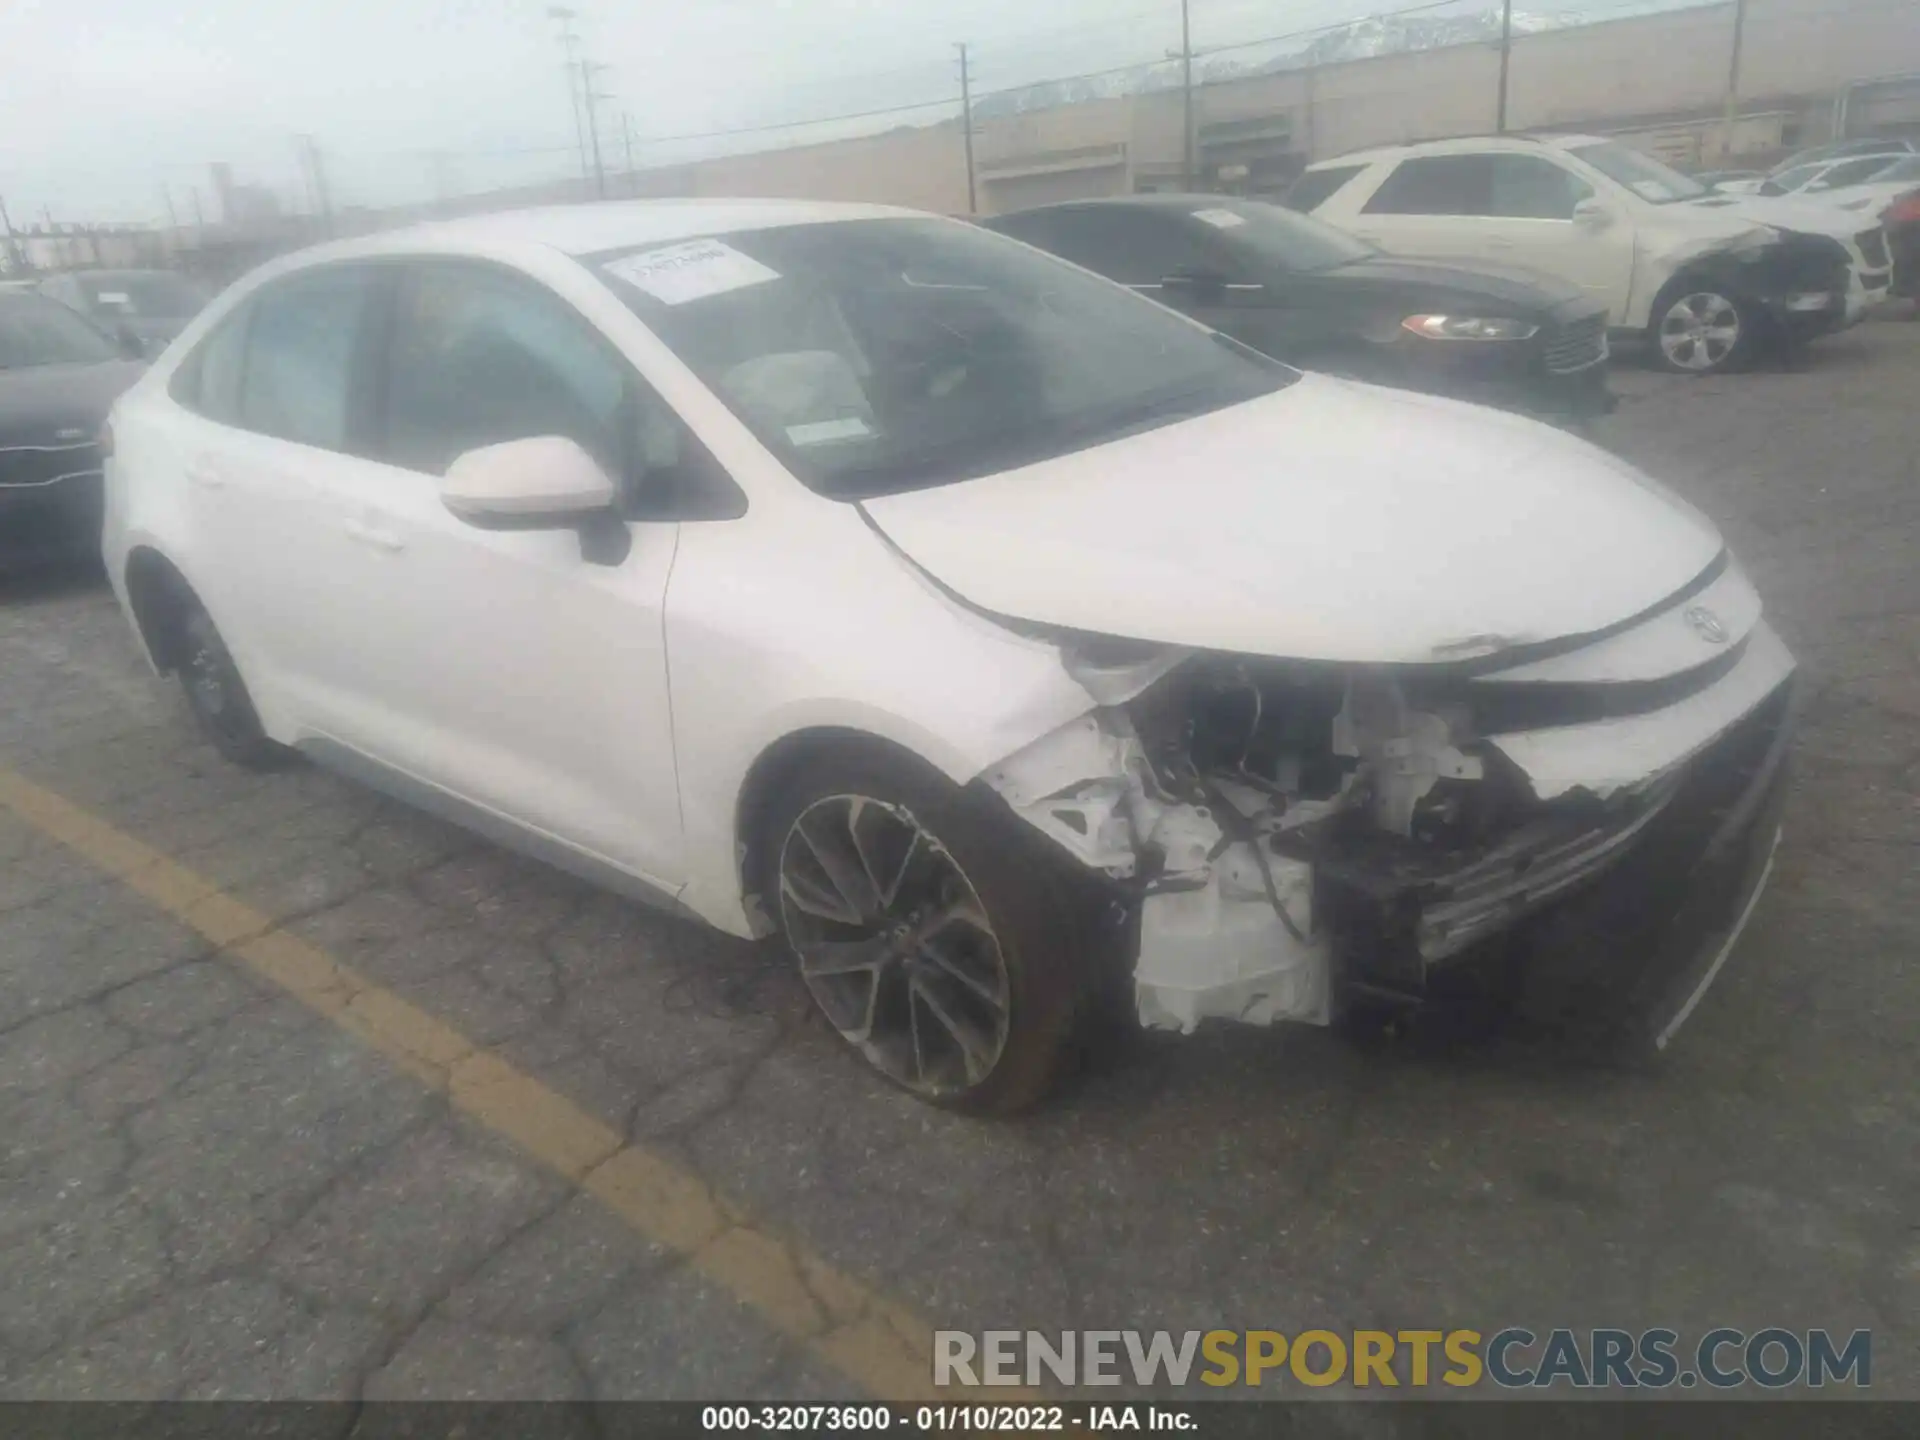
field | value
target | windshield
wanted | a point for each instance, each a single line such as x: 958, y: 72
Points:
x: 35, y: 331
x: 1647, y: 177
x: 876, y: 356
x: 1284, y: 237
x: 155, y: 296
x: 1908, y: 169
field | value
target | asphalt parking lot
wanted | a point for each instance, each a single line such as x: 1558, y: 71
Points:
x: 303, y: 1094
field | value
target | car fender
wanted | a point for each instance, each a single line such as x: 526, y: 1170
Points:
x: 908, y: 665
x: 1658, y: 258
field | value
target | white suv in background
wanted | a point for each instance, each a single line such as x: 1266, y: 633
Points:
x: 1707, y: 278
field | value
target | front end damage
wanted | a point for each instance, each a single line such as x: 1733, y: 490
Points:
x: 1289, y: 839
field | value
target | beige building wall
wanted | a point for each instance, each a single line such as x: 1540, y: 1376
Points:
x: 923, y: 166
x: 1659, y: 79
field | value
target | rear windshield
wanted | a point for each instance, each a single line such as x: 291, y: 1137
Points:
x: 157, y: 296
x: 1294, y: 242
x: 876, y: 356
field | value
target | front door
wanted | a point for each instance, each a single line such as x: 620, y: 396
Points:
x: 505, y: 666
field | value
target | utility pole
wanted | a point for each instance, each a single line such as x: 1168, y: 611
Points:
x: 308, y: 150
x: 1506, y: 55
x: 1186, y: 99
x: 1733, y: 76
x: 626, y: 135
x: 966, y: 124
x: 592, y: 98
x: 15, y: 264
x: 569, y: 42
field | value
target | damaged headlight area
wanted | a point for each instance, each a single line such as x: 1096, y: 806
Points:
x: 1288, y: 837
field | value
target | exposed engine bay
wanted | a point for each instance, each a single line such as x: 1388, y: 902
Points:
x: 1289, y: 834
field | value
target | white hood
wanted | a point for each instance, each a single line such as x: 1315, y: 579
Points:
x: 1786, y: 212
x: 1329, y: 521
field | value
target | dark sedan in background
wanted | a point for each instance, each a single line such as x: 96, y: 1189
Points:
x: 141, y: 307
x: 1301, y: 291
x: 58, y: 378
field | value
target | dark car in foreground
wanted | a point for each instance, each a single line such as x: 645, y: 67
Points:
x: 1314, y: 296
x: 58, y: 378
x: 146, y: 308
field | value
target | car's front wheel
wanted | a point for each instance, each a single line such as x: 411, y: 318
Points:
x: 1699, y: 330
x: 937, y: 939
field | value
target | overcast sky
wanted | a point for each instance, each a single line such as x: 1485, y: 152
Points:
x: 109, y: 106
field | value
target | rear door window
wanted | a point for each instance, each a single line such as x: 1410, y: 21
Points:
x: 1436, y: 185
x: 209, y: 382
x: 303, y: 348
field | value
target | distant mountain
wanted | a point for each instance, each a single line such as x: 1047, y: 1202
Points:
x: 1358, y: 40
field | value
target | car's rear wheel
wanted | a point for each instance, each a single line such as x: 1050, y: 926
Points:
x: 1699, y: 330
x: 218, y: 697
x: 940, y: 942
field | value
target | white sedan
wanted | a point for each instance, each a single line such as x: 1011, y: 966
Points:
x: 1000, y: 639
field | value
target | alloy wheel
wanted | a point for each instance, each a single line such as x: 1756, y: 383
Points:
x: 894, y: 944
x: 1699, y: 331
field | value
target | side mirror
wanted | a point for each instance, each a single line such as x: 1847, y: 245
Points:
x: 547, y: 482
x: 1590, y: 214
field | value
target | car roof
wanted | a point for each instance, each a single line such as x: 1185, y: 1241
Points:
x: 593, y: 228
x: 1460, y: 144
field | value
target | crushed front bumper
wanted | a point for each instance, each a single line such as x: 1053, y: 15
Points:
x: 1648, y: 912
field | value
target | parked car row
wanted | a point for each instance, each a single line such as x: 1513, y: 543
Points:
x: 1003, y: 641
x: 58, y: 376
x: 1304, y: 292
x: 69, y: 344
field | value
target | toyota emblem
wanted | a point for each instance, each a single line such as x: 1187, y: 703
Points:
x: 1707, y: 625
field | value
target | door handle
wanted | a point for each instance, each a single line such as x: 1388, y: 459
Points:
x: 374, y: 536
x: 200, y: 473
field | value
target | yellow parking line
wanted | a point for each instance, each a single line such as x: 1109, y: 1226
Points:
x: 866, y: 1337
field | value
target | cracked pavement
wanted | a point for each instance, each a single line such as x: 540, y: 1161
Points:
x: 208, y: 1189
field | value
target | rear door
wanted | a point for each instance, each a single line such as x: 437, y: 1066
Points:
x: 279, y: 406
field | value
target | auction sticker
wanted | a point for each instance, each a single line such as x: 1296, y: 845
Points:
x: 691, y: 270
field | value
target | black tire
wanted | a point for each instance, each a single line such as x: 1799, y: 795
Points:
x: 1708, y: 311
x: 1037, y: 909
x: 218, y: 697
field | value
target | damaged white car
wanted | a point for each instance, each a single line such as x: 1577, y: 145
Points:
x: 994, y: 634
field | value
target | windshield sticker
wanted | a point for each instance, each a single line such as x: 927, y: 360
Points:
x: 1220, y: 219
x: 111, y: 297
x: 691, y: 270
x: 1652, y: 190
x: 822, y: 432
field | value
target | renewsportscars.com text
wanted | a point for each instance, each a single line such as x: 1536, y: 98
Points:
x: 1513, y: 1358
